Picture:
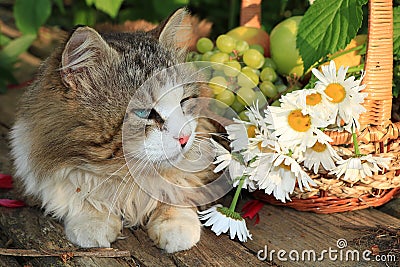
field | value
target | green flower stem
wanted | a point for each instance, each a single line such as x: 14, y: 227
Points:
x: 355, y: 142
x: 237, y: 193
x: 331, y: 57
x: 356, y: 68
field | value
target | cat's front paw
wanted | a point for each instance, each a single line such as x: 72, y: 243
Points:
x: 91, y: 231
x: 175, y: 231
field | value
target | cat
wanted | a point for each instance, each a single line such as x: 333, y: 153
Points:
x: 67, y: 141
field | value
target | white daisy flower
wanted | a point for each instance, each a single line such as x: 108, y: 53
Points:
x: 312, y: 102
x: 225, y: 159
x: 277, y: 174
x: 292, y: 127
x: 256, y: 118
x: 237, y: 133
x: 357, y: 168
x: 236, y: 172
x: 320, y: 154
x: 344, y: 94
x: 268, y: 178
x: 223, y: 156
x: 286, y: 162
x: 223, y: 220
x: 259, y: 131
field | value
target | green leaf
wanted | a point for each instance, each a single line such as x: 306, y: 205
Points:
x: 31, y: 14
x: 10, y: 52
x: 396, y: 31
x: 327, y: 27
x: 167, y: 7
x: 90, y: 2
x: 4, y: 40
x: 84, y: 16
x: 109, y: 7
x: 7, y: 75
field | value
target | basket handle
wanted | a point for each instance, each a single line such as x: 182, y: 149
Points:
x: 250, y: 13
x: 379, y: 64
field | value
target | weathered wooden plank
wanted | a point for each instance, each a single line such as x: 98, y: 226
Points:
x: 392, y: 207
x: 217, y: 251
x: 8, y: 261
x: 143, y: 249
x: 30, y: 229
x: 211, y: 251
x: 286, y: 229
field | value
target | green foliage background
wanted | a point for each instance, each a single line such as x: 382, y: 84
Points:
x: 30, y: 15
x: 224, y: 14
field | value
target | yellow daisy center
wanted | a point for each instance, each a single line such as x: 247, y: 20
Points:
x: 259, y: 146
x: 251, y: 131
x: 336, y: 92
x: 318, y: 147
x: 313, y: 99
x: 298, y: 121
x: 286, y: 167
x: 263, y: 149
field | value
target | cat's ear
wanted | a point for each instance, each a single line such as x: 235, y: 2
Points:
x: 84, y: 49
x: 176, y: 31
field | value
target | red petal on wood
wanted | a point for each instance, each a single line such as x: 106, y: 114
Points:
x: 10, y: 203
x: 19, y: 86
x: 5, y: 181
x: 251, y: 209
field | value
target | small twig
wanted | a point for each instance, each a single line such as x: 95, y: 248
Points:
x: 100, y: 253
x: 8, y: 31
x: 30, y: 59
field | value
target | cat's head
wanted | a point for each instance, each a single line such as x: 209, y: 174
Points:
x: 103, y: 76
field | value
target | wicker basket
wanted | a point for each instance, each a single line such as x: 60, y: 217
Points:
x: 378, y: 135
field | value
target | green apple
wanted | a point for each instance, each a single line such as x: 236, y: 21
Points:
x: 283, y: 47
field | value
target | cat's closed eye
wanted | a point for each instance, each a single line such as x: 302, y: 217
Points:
x: 149, y: 114
x: 189, y: 104
x: 185, y: 99
x: 142, y: 113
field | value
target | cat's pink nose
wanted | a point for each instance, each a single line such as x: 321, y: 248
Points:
x: 183, y: 140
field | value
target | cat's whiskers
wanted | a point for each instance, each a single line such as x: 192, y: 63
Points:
x: 142, y: 169
x: 111, y: 175
x: 202, y: 146
x: 130, y: 174
x: 115, y: 197
x: 140, y: 189
x: 127, y: 154
x: 220, y: 135
x: 124, y: 181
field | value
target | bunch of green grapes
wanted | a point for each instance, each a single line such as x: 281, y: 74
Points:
x: 241, y: 75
